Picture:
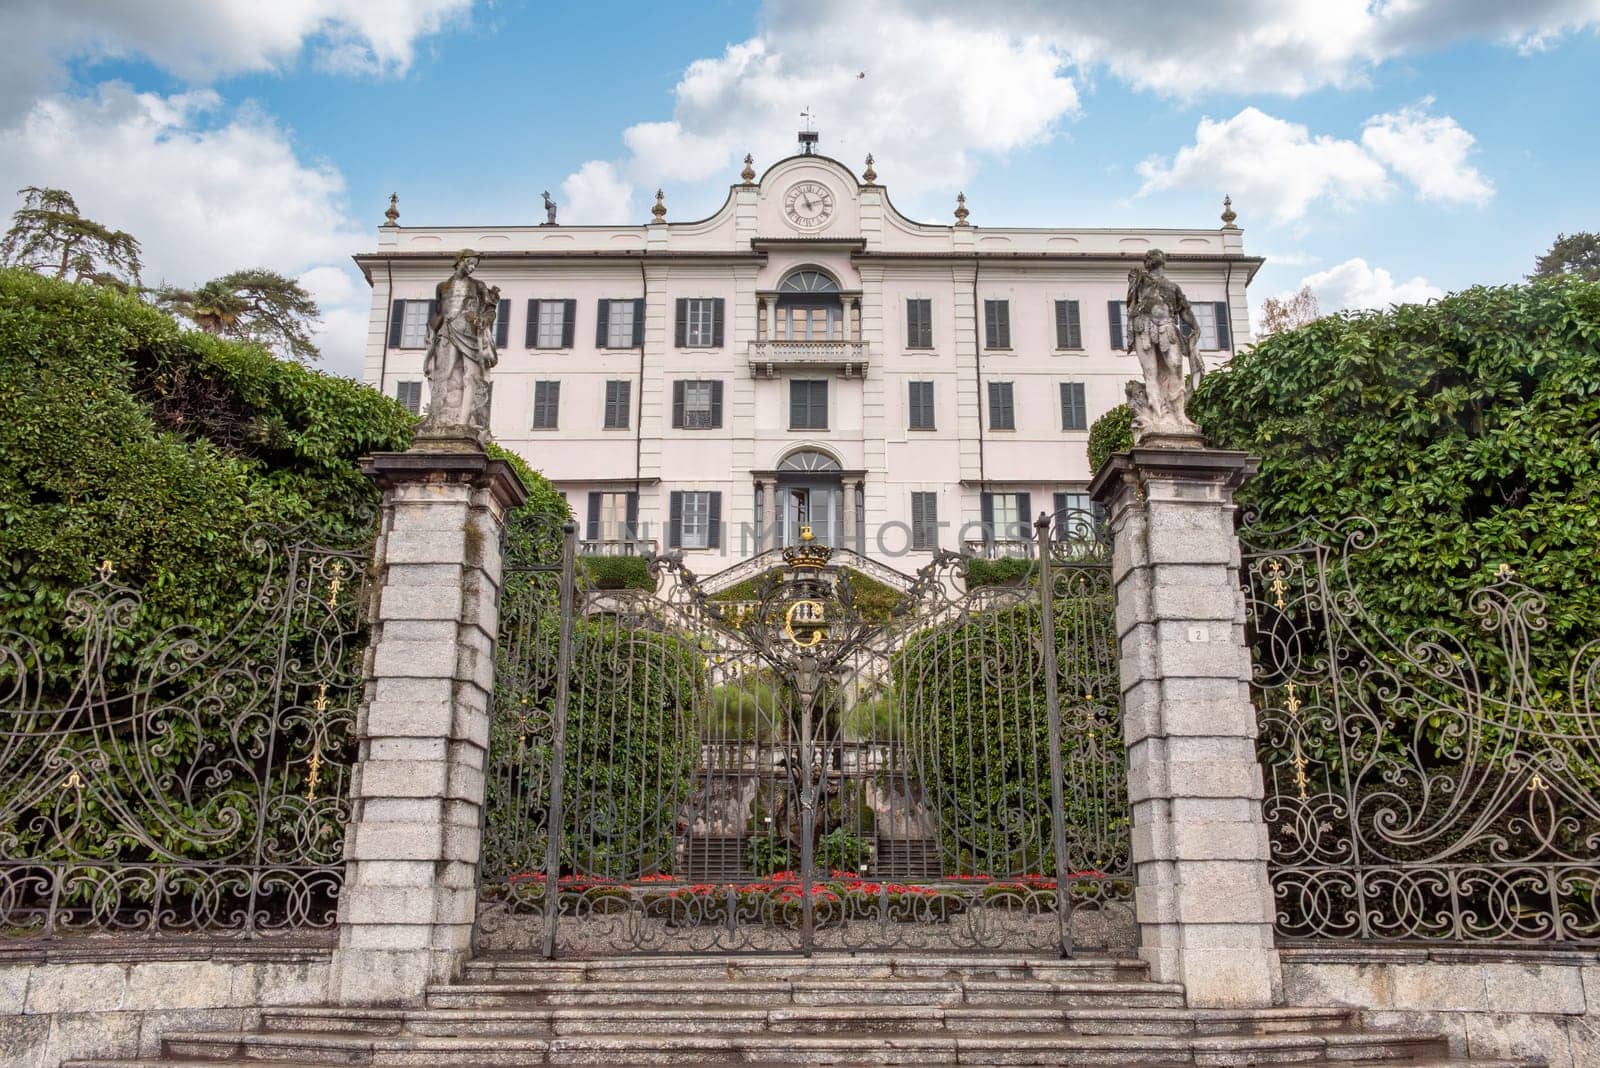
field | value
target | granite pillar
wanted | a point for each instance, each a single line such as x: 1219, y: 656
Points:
x: 1203, y: 899
x: 417, y: 790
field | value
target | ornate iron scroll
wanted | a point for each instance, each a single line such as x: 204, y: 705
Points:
x: 185, y: 782
x: 785, y: 766
x: 1419, y: 786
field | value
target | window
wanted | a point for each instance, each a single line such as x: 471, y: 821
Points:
x: 1002, y: 415
x: 809, y: 322
x: 808, y: 404
x: 613, y: 516
x: 920, y: 406
x: 697, y: 404
x: 409, y: 328
x: 1074, y: 409
x: 550, y: 323
x: 1212, y: 315
x: 699, y: 323
x: 1117, y: 314
x: 546, y: 404
x: 997, y: 324
x: 409, y: 394
x: 617, y: 326
x: 502, y: 324
x: 924, y: 521
x: 919, y: 324
x: 1005, y: 516
x: 695, y: 520
x: 618, y: 404
x: 1076, y: 517
x: 1069, y: 325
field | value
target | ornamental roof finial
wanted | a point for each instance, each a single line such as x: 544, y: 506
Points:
x: 660, y: 210
x: 1228, y: 214
x: 961, y: 210
x: 869, y: 174
x: 749, y: 172
x: 393, y: 214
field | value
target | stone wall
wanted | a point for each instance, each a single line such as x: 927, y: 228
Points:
x: 116, y: 1001
x: 1491, y: 1002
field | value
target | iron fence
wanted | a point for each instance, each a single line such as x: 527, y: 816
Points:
x: 1432, y: 784
x: 170, y: 781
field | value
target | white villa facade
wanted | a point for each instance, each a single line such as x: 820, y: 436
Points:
x: 806, y: 355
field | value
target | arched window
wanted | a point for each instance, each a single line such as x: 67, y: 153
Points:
x: 808, y: 460
x: 808, y: 281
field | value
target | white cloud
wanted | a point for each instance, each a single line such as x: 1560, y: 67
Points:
x: 925, y: 94
x: 205, y: 190
x: 596, y: 193
x: 1430, y: 152
x: 1353, y: 284
x: 1269, y: 165
x: 202, y: 40
x: 1278, y: 167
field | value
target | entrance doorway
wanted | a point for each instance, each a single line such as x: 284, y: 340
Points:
x: 810, y: 493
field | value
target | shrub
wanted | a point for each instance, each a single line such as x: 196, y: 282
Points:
x: 748, y: 708
x: 839, y: 850
x: 1007, y: 571
x: 875, y: 717
x: 1111, y: 433
x: 618, y: 572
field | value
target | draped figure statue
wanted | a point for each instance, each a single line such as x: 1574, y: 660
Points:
x: 461, y: 351
x: 1163, y: 334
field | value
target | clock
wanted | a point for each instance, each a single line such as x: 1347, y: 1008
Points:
x: 808, y: 205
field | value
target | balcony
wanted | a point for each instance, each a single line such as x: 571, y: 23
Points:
x: 617, y: 547
x: 848, y: 358
x: 999, y: 548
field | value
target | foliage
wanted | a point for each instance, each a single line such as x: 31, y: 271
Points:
x: 839, y: 850
x: 1576, y: 254
x: 618, y: 572
x: 1465, y: 430
x: 747, y: 708
x: 1111, y: 433
x: 251, y: 305
x: 768, y: 854
x: 875, y: 717
x: 48, y: 236
x: 1286, y: 313
x: 870, y: 599
x: 1006, y: 571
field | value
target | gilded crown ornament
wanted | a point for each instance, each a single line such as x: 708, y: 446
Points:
x: 961, y: 209
x: 1228, y: 214
x: 809, y: 553
x: 749, y: 172
x: 869, y: 174
x: 660, y: 210
x: 393, y: 214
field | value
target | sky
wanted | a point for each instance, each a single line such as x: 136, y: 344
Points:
x: 1378, y: 151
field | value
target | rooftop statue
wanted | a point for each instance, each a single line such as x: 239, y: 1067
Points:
x: 1162, y: 333
x: 460, y: 353
x: 549, y: 209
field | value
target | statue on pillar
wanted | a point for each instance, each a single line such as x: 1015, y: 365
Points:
x: 549, y: 209
x: 1162, y: 332
x: 460, y: 353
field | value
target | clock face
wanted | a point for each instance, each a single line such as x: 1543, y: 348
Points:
x: 808, y: 205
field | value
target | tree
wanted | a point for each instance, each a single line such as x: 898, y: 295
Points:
x: 1577, y: 254
x: 253, y: 305
x: 48, y: 236
x: 1286, y: 313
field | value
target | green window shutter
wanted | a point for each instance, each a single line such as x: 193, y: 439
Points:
x: 592, y: 528
x: 675, y: 520
x: 1024, y: 517
x: 986, y: 515
x: 569, y: 320
x: 716, y: 322
x: 1074, y: 410
x: 1002, y: 415
x: 680, y: 329
x: 1114, y: 317
x: 502, y: 324
x: 677, y: 404
x: 716, y: 404
x: 715, y: 513
x: 533, y: 324
x: 633, y: 515
x: 1074, y: 326
x: 638, y: 322
x: 1224, y: 334
x: 602, y: 323
x: 397, y: 314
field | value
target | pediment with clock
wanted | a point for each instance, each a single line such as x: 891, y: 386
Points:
x: 809, y: 196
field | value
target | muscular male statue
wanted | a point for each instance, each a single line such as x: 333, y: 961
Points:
x: 461, y: 351
x: 1162, y: 333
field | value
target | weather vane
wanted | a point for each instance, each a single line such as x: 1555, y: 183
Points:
x: 806, y: 115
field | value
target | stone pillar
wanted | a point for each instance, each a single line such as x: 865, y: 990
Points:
x: 847, y: 516
x: 1203, y: 900
x: 411, y: 848
x: 768, y: 538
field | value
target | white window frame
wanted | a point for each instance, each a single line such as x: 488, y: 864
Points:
x: 1003, y: 507
x: 694, y: 522
x: 700, y: 329
x: 552, y: 324
x: 1205, y: 313
x: 613, y: 515
x: 699, y: 404
x: 619, y: 324
x: 414, y: 324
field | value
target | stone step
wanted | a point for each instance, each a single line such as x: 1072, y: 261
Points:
x: 999, y: 992
x: 186, y: 1062
x: 1343, y: 1047
x: 730, y: 1020
x: 867, y: 966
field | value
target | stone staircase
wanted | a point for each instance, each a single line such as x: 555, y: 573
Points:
x: 875, y: 1009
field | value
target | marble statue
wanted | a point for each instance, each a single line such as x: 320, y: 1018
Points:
x: 549, y: 209
x: 1162, y: 332
x: 461, y: 352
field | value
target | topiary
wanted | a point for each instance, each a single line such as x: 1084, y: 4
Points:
x: 1111, y: 433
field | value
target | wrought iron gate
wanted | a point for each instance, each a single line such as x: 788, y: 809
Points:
x: 811, y: 760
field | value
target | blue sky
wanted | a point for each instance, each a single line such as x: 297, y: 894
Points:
x: 1379, y: 151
